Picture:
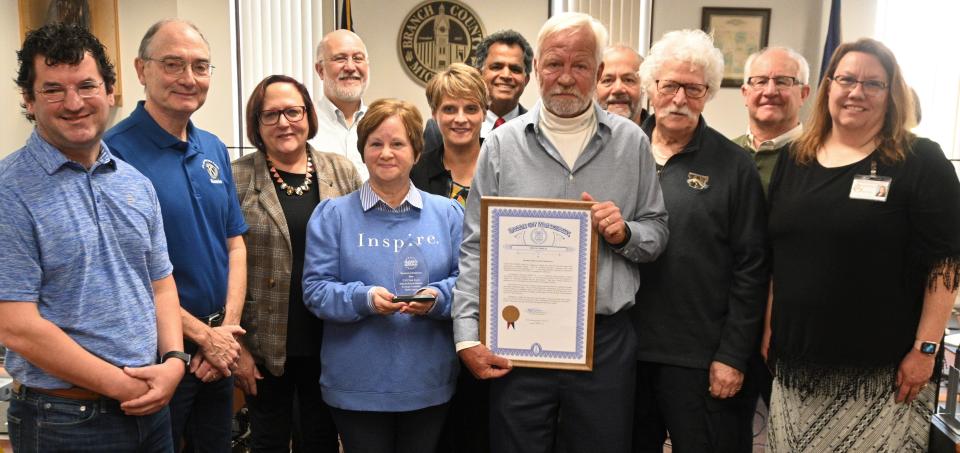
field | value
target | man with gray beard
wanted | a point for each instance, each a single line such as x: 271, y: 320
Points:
x: 700, y: 307
x: 343, y: 66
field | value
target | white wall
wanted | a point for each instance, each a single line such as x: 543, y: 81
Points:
x: 795, y: 24
x: 378, y: 23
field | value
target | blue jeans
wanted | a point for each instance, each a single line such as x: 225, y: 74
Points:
x: 202, y: 414
x: 43, y: 423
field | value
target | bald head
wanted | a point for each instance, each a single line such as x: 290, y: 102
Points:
x: 618, y: 90
x: 343, y: 66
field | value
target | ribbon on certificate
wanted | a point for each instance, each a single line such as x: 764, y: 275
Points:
x: 511, y: 314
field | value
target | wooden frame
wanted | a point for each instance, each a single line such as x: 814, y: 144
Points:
x: 103, y: 20
x: 552, y: 209
x: 737, y: 32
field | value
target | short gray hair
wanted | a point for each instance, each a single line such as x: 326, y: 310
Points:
x: 622, y: 48
x: 686, y: 46
x: 571, y: 20
x: 143, y: 51
x: 803, y: 68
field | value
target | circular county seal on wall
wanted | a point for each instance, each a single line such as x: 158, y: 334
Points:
x: 435, y: 34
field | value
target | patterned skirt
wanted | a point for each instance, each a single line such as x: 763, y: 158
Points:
x: 802, y: 421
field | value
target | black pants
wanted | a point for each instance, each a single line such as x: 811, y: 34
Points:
x: 467, y: 428
x: 536, y: 410
x: 390, y: 432
x: 677, y: 400
x: 272, y: 410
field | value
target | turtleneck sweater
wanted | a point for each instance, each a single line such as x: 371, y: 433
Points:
x: 569, y: 135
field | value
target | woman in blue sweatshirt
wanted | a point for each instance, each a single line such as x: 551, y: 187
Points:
x: 389, y: 367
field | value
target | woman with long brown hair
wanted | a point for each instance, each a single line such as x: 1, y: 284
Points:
x: 865, y: 233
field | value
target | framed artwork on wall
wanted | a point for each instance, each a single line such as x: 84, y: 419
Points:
x: 100, y: 16
x: 737, y: 32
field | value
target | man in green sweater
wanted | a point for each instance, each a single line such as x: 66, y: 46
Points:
x: 774, y: 88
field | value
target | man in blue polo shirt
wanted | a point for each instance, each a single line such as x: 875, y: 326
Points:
x: 87, y: 300
x: 190, y: 169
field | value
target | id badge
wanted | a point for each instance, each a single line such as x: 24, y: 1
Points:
x: 872, y: 188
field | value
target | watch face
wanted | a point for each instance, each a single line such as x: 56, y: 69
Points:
x: 928, y: 348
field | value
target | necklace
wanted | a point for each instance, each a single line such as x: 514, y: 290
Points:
x: 290, y: 190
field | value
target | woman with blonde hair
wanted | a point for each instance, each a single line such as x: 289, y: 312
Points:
x: 865, y: 233
x: 458, y: 102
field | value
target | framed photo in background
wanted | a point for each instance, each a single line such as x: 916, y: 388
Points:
x: 737, y: 32
x: 100, y: 16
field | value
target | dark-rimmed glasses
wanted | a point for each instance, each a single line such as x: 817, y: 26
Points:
x: 176, y: 66
x: 691, y: 90
x: 292, y: 114
x: 57, y: 93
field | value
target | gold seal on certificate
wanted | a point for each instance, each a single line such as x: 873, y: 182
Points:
x: 537, y: 281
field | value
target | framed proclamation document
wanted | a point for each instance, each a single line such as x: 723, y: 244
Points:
x: 538, y: 267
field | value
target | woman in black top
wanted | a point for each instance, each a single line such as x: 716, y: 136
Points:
x: 865, y: 232
x: 458, y: 99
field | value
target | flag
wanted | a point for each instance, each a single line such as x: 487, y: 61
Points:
x: 833, y: 37
x: 345, y: 18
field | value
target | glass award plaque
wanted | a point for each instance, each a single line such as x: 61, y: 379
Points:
x: 410, y: 271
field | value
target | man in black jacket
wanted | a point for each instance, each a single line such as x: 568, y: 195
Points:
x: 699, y: 309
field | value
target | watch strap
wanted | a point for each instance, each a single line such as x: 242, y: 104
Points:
x: 180, y: 355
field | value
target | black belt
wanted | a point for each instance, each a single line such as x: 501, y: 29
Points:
x: 215, y: 319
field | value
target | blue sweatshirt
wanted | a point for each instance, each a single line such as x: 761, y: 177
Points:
x: 372, y: 362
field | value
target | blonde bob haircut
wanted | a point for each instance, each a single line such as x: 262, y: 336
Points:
x: 380, y: 111
x: 894, y: 137
x: 458, y: 81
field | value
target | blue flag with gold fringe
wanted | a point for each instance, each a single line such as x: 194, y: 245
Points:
x: 345, y: 18
x: 833, y: 37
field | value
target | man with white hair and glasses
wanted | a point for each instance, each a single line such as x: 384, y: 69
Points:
x: 701, y: 303
x: 774, y: 88
x: 567, y: 147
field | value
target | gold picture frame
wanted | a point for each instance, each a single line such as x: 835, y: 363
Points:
x: 100, y: 15
x: 737, y: 32
x: 500, y: 312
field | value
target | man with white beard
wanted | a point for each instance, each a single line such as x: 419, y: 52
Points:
x: 343, y: 66
x: 566, y: 147
x: 701, y: 303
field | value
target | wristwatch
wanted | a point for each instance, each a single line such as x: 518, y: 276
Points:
x: 177, y: 355
x: 926, y: 347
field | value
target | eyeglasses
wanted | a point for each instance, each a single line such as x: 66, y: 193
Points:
x: 357, y: 59
x: 56, y: 93
x: 292, y: 114
x: 691, y: 90
x: 870, y: 87
x: 779, y: 82
x: 176, y: 66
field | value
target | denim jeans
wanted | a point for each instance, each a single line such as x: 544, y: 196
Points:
x: 42, y: 423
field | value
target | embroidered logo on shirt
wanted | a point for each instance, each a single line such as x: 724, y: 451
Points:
x: 213, y: 170
x: 697, y: 182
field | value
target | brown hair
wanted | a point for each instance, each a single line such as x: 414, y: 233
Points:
x: 255, y: 105
x: 458, y: 81
x: 894, y: 136
x: 379, y: 111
